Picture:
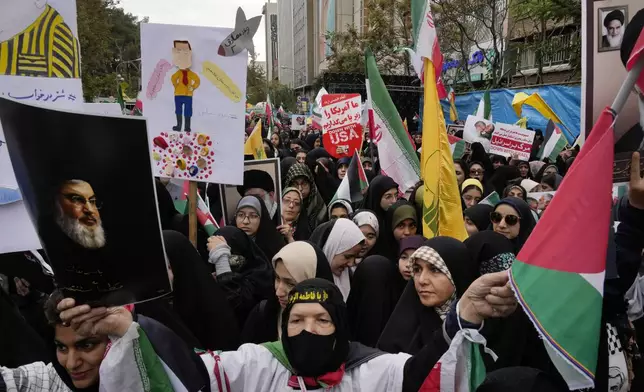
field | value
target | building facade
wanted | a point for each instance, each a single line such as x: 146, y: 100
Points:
x: 286, y: 75
x: 272, y: 48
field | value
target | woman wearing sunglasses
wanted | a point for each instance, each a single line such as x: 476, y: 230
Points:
x: 512, y: 219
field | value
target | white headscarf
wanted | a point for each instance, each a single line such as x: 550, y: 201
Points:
x: 344, y: 236
x: 367, y: 218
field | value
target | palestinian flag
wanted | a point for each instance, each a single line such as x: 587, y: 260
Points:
x: 354, y: 184
x: 485, y: 107
x: 395, y: 149
x: 492, y: 199
x: 558, y: 277
x: 457, y: 146
x: 461, y: 368
x: 206, y: 220
x: 554, y: 143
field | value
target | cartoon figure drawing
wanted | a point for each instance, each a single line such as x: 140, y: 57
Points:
x: 36, y: 41
x: 185, y: 82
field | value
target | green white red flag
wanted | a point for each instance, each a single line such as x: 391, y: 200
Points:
x: 396, y: 152
x: 558, y: 276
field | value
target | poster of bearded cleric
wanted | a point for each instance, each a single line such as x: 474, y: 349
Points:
x: 88, y: 188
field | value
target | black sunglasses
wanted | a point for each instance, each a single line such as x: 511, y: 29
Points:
x: 510, y: 220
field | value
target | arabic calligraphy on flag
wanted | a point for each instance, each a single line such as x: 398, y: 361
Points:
x: 341, y: 124
x: 509, y: 140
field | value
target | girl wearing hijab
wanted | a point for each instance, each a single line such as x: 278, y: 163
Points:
x: 442, y: 271
x: 524, y: 170
x: 529, y: 185
x: 382, y: 194
x: 299, y: 176
x: 242, y: 269
x: 368, y: 224
x: 477, y: 171
x: 477, y: 218
x: 471, y: 192
x: 294, y: 224
x: 252, y: 216
x: 341, y: 241
x: 513, y: 219
x: 408, y: 246
x: 550, y: 182
x: 401, y: 221
x: 502, y: 177
x: 459, y: 169
x: 285, y: 165
x: 515, y: 191
x: 491, y: 251
x: 342, y: 167
x: 340, y: 209
x: 296, y: 262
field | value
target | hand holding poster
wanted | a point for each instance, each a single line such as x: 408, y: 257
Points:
x: 478, y: 130
x: 92, y: 200
x: 341, y: 128
x: 510, y: 140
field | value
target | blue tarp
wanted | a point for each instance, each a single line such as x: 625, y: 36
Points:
x: 565, y: 101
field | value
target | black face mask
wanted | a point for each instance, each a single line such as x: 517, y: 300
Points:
x: 310, y: 355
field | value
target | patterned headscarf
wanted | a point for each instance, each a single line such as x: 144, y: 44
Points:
x: 432, y: 257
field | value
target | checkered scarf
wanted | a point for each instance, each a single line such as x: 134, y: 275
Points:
x: 432, y: 257
x: 313, y: 203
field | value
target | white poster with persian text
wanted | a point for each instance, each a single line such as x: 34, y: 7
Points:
x: 194, y: 100
x: 510, y: 140
x: 39, y: 63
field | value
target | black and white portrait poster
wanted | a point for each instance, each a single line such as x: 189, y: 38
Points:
x: 89, y: 191
x: 611, y: 25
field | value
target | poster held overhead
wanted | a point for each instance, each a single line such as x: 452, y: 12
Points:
x: 341, y: 124
x: 80, y: 195
x: 194, y: 100
x: 478, y: 130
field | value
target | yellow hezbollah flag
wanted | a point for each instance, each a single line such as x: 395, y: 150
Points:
x: 536, y: 102
x: 523, y: 122
x: 255, y: 145
x: 442, y: 213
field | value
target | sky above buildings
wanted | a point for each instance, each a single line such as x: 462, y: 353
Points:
x: 219, y: 13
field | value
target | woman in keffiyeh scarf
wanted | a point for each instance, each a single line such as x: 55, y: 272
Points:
x: 299, y: 176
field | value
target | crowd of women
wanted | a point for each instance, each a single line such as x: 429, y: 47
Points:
x: 337, y: 296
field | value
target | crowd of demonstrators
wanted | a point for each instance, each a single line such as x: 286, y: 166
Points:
x: 306, y: 291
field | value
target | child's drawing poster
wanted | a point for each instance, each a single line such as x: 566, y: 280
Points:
x: 195, y: 101
x: 40, y: 64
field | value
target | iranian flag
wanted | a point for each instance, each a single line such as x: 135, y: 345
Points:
x: 354, y: 184
x: 492, y: 199
x: 558, y: 276
x: 555, y: 142
x: 269, y: 115
x: 457, y: 146
x: 396, y: 151
x: 485, y: 107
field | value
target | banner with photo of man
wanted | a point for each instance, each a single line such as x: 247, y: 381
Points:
x: 92, y: 200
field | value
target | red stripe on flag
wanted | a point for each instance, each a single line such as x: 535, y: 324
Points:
x: 636, y: 53
x: 433, y: 381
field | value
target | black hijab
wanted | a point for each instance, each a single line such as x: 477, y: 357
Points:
x: 199, y: 309
x: 412, y: 325
x: 261, y: 323
x: 375, y: 290
x: 251, y: 281
x: 377, y: 188
x: 479, y: 215
x: 285, y: 165
x: 267, y: 238
x: 527, y: 220
x: 491, y: 251
x: 523, y: 379
x: 330, y: 298
x: 502, y: 177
